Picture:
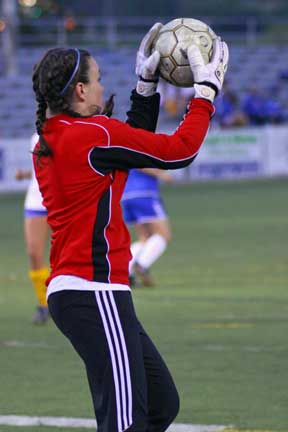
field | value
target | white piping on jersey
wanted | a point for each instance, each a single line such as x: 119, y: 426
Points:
x: 70, y: 123
x: 100, y: 115
x: 97, y: 125
x: 66, y: 122
x: 91, y: 166
x: 108, y: 142
x: 107, y: 242
x: 111, y: 322
x: 135, y: 151
x: 110, y: 199
x: 92, y: 124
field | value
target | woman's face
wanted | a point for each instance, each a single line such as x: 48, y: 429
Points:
x: 93, y: 89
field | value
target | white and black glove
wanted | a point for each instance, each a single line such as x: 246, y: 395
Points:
x: 147, y: 63
x: 208, y: 78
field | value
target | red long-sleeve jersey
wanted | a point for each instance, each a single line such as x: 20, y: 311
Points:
x: 83, y: 181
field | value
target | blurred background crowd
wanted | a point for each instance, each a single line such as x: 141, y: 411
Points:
x: 256, y: 89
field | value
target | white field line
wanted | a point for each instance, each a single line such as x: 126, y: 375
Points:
x: 65, y: 422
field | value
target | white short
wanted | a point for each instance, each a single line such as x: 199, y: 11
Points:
x: 33, y: 200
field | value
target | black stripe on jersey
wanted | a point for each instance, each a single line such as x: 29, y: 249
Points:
x: 100, y: 245
x: 105, y: 159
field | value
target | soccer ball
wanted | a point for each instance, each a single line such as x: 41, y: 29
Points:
x: 176, y: 35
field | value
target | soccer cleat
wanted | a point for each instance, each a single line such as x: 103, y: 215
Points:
x: 144, y: 275
x: 41, y: 316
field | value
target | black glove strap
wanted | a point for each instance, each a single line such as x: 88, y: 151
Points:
x: 209, y: 84
x: 147, y: 80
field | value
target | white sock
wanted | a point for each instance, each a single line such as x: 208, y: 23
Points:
x: 153, y: 248
x: 135, y: 250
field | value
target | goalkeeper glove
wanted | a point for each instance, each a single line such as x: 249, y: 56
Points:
x: 147, y: 63
x: 208, y: 78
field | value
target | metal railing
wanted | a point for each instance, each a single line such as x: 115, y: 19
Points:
x: 118, y: 31
x: 114, y: 32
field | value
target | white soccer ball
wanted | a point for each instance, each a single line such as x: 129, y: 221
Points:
x: 176, y: 35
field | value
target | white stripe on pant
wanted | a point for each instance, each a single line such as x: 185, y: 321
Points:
x: 112, y: 324
x: 126, y: 360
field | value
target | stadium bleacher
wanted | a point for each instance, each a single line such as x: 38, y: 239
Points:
x: 258, y: 66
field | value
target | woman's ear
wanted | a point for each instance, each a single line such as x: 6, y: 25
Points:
x: 80, y: 91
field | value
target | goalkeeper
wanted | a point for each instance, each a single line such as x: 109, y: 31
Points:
x: 81, y: 163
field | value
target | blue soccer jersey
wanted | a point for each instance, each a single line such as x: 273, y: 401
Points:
x: 140, y: 184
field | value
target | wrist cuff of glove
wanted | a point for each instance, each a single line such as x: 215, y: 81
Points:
x: 154, y: 80
x: 146, y: 88
x: 204, y: 91
x: 210, y: 84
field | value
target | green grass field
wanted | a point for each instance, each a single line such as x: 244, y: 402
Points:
x: 219, y: 314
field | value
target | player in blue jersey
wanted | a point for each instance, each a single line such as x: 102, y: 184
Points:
x: 143, y: 208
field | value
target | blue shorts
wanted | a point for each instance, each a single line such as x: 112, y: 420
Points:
x: 144, y: 209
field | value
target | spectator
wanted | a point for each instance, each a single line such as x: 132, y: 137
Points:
x: 254, y: 106
x: 228, y: 110
x: 273, y: 108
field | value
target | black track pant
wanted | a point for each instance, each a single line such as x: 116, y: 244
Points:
x: 130, y: 384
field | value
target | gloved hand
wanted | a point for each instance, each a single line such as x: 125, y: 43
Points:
x: 208, y: 78
x: 147, y: 63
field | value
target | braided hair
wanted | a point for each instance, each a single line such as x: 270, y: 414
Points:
x: 54, y: 79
